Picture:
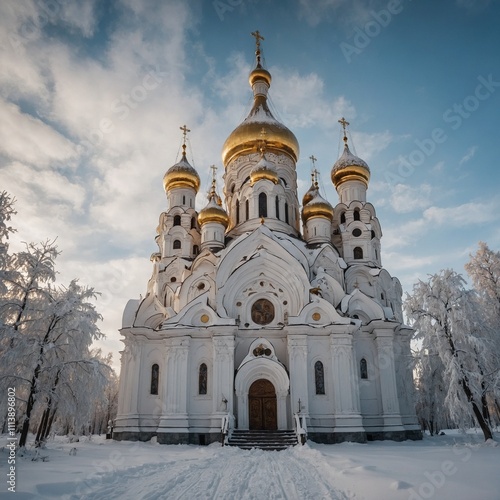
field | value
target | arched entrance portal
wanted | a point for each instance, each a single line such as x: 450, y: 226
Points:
x: 262, y: 406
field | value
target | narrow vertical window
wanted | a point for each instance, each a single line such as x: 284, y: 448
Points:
x: 342, y: 218
x: 237, y: 211
x: 319, y: 377
x: 177, y: 220
x: 247, y: 210
x: 363, y: 368
x: 196, y: 250
x: 202, y: 379
x: 155, y: 375
x: 277, y: 201
x: 287, y: 220
x: 356, y: 214
x: 193, y: 222
x: 358, y: 253
x: 177, y: 244
x: 183, y: 199
x: 262, y: 205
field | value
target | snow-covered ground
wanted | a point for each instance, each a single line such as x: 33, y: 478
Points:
x: 453, y: 466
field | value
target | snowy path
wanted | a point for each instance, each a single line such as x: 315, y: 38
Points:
x: 228, y: 473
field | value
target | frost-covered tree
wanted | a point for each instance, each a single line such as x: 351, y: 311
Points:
x: 445, y: 317
x: 6, y: 213
x: 431, y: 389
x: 484, y: 270
x: 46, y: 333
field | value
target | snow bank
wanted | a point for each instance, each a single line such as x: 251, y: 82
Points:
x: 454, y: 466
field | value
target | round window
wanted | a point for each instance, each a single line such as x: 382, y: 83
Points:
x: 356, y: 232
x: 262, y: 312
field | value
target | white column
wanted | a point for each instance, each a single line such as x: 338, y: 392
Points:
x: 175, y: 385
x: 297, y: 353
x: 345, y: 384
x: 387, y: 377
x: 223, y: 375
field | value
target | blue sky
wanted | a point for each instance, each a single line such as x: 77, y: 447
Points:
x: 92, y: 95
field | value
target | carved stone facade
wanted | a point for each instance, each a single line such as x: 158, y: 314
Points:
x: 249, y: 298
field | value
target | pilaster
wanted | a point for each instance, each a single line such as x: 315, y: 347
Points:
x: 345, y: 385
x: 297, y: 353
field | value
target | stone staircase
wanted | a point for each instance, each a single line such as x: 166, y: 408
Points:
x: 263, y: 440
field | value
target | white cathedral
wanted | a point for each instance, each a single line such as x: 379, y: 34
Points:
x: 260, y: 311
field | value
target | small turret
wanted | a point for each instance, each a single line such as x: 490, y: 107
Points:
x: 213, y: 219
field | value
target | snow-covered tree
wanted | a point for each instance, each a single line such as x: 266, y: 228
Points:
x: 446, y: 319
x: 6, y: 213
x: 431, y: 389
x: 46, y: 333
x: 484, y: 270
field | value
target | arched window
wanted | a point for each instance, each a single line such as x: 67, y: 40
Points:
x: 262, y: 205
x: 287, y: 220
x: 193, y: 222
x: 342, y: 218
x: 237, y: 211
x: 356, y: 214
x: 363, y: 368
x: 183, y: 199
x: 177, y: 220
x: 319, y: 377
x: 277, y: 201
x: 203, y: 379
x: 247, y: 210
x: 155, y: 377
x: 196, y: 250
x: 358, y: 253
x: 177, y: 244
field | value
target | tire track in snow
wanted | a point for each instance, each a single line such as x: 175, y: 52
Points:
x: 226, y: 474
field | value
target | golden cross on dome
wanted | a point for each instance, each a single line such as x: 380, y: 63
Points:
x: 314, y: 160
x: 214, y: 177
x: 185, y: 130
x: 315, y: 176
x: 344, y: 124
x: 258, y: 38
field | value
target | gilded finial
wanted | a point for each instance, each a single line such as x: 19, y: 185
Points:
x: 258, y: 38
x: 185, y: 131
x: 314, y: 171
x: 262, y: 220
x: 214, y: 181
x: 344, y: 124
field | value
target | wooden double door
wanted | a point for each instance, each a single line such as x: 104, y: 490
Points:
x: 262, y: 406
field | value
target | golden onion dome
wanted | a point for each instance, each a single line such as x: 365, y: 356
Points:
x: 247, y: 136
x: 264, y: 169
x: 348, y: 168
x: 310, y: 194
x: 181, y: 175
x: 213, y: 212
x: 317, y: 207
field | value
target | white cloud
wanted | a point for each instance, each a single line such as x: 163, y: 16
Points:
x: 434, y: 218
x: 405, y: 198
x: 468, y: 155
x: 28, y: 139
